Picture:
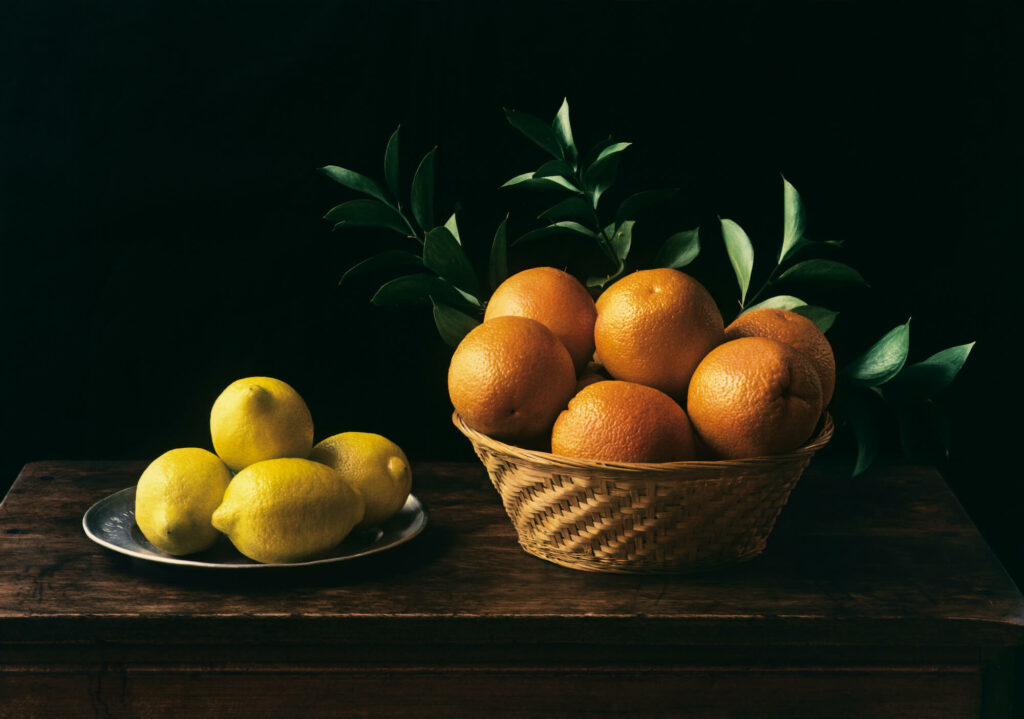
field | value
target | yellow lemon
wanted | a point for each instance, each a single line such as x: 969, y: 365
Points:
x: 260, y: 418
x: 287, y: 510
x: 374, y: 465
x: 175, y: 499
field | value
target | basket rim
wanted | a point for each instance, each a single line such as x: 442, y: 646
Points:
x: 820, y: 439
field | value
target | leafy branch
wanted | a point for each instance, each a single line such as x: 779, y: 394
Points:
x: 585, y: 178
x: 443, y: 277
x: 879, y: 379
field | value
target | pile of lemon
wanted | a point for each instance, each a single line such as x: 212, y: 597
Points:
x: 275, y: 495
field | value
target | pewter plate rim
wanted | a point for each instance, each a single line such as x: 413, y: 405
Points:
x: 110, y: 522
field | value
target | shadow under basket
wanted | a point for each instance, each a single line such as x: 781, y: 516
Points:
x: 633, y: 518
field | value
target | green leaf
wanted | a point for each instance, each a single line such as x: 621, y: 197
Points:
x: 822, y: 272
x: 391, y: 163
x: 355, y: 181
x: 792, y: 221
x: 541, y: 183
x: 593, y: 152
x: 779, y: 302
x: 883, y: 360
x: 601, y: 174
x: 452, y: 324
x: 679, y: 249
x: 820, y: 316
x: 422, y: 198
x: 554, y: 167
x: 741, y: 254
x: 563, y: 131
x: 935, y: 374
x: 419, y: 289
x: 444, y: 255
x: 537, y: 130
x: 452, y: 225
x: 390, y: 258
x: 558, y: 229
x: 497, y: 268
x: 622, y: 239
x: 635, y: 204
x: 864, y: 423
x: 571, y: 208
x: 366, y: 213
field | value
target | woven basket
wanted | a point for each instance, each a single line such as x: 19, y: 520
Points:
x: 631, y: 518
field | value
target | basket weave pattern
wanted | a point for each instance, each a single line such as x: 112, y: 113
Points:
x: 641, y: 518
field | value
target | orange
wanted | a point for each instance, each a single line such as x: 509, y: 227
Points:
x: 753, y: 397
x: 510, y: 377
x: 592, y: 373
x: 796, y: 331
x: 654, y: 327
x: 554, y: 298
x: 619, y: 421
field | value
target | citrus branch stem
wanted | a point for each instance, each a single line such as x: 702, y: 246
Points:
x: 760, y: 291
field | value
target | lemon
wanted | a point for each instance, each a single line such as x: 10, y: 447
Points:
x: 260, y: 418
x: 287, y: 510
x: 374, y: 465
x: 175, y: 499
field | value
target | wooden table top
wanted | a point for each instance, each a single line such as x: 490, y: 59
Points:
x: 887, y: 560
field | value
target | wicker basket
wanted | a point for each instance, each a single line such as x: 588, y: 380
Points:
x: 641, y: 518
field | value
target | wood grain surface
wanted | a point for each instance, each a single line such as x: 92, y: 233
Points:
x: 878, y: 588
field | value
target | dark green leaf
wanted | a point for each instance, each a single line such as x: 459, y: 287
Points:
x: 390, y: 258
x: 554, y: 167
x: 593, y: 152
x: 559, y: 229
x: 444, y: 255
x: 355, y: 181
x: 635, y: 204
x: 497, y: 268
x: 422, y: 198
x: 792, y: 221
x: 935, y: 374
x: 391, y: 163
x: 571, y: 208
x: 366, y: 213
x: 820, y: 316
x: 537, y: 130
x: 741, y: 254
x: 864, y: 422
x: 452, y: 324
x: 601, y: 174
x: 602, y: 280
x: 780, y: 302
x: 822, y: 272
x: 563, y: 131
x: 541, y: 183
x: 418, y: 289
x: 452, y: 225
x: 679, y: 249
x: 622, y: 239
x: 883, y: 360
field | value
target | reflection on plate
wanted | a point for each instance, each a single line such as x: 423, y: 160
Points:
x: 111, y: 523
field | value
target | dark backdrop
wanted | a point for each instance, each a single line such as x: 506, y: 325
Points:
x: 160, y: 231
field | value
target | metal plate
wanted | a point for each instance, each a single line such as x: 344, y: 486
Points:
x: 111, y: 524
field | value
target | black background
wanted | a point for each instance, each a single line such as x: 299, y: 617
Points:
x: 160, y: 212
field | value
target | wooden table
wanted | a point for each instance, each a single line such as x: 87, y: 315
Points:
x: 875, y: 598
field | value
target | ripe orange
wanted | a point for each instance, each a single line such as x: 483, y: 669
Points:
x: 796, y: 331
x: 554, y: 298
x: 592, y: 373
x: 754, y: 396
x: 623, y: 422
x: 654, y: 327
x: 510, y: 377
